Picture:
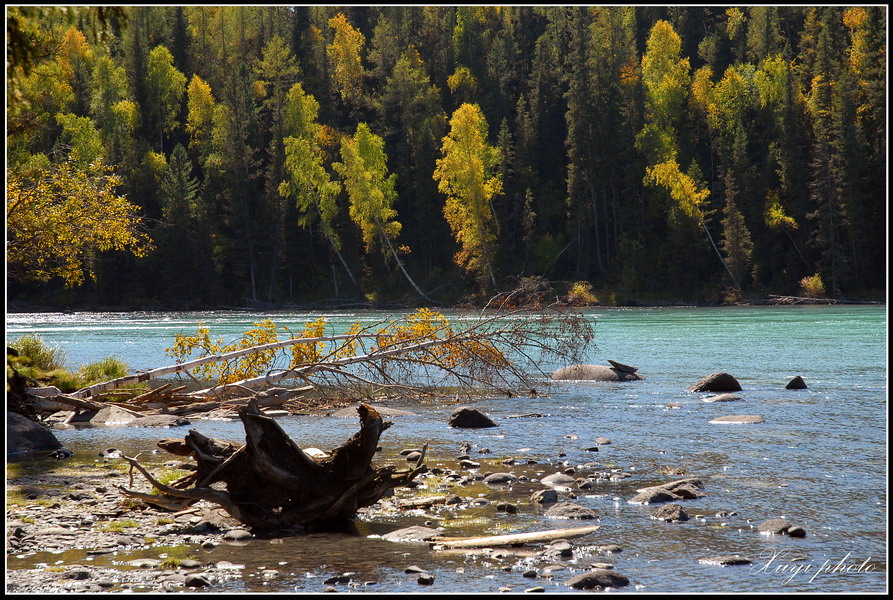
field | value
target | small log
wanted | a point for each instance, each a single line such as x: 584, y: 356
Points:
x: 151, y: 394
x: 513, y: 538
x: 195, y: 407
x: 78, y: 402
x: 424, y: 502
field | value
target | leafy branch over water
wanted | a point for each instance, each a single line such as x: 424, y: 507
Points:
x: 501, y: 351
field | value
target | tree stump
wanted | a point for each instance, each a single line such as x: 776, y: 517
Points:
x: 269, y: 483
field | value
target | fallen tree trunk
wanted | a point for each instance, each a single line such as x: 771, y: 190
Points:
x: 271, y: 484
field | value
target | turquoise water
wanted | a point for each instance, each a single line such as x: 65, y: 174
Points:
x: 819, y: 460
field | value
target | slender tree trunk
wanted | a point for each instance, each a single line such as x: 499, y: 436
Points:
x: 719, y: 254
x: 400, y: 264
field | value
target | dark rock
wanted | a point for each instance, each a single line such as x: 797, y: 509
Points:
x: 413, y: 456
x: 426, y: 579
x: 469, y: 464
x: 336, y: 579
x: 688, y: 492
x: 623, y: 367
x: 672, y: 486
x: 797, y: 532
x: 195, y: 581
x: 725, y: 560
x: 796, y: 383
x: 653, y: 496
x: 507, y: 507
x: 544, y: 497
x: 716, y: 382
x: 585, y: 372
x: 599, y: 578
x: 471, y: 418
x: 569, y: 510
x: 79, y: 574
x: 774, y: 526
x: 670, y: 513
x: 25, y: 435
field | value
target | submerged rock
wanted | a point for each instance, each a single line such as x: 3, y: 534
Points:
x: 774, y: 526
x: 569, y: 510
x: 681, y: 489
x: 716, y: 382
x: 559, y: 479
x: 416, y: 533
x: 499, y: 479
x: 158, y: 421
x: 544, y: 497
x: 738, y: 420
x: 670, y: 513
x: 724, y: 398
x: 654, y: 496
x: 585, y: 372
x: 725, y: 560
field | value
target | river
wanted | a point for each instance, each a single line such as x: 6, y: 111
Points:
x: 819, y: 460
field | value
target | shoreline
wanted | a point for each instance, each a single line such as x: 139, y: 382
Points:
x: 770, y: 300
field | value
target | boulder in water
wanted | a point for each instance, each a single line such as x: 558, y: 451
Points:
x: 471, y: 418
x: 25, y: 435
x: 796, y: 383
x: 585, y: 372
x: 716, y: 382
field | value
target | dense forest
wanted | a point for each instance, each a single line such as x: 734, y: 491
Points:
x: 200, y: 156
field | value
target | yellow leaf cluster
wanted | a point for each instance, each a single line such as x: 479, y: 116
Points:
x: 58, y: 217
x: 682, y: 188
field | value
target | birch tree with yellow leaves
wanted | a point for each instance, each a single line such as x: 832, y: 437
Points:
x: 467, y: 176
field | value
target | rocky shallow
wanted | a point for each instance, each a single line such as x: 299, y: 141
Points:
x: 70, y: 529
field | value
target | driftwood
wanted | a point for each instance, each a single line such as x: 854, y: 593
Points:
x: 269, y: 483
x: 513, y: 538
